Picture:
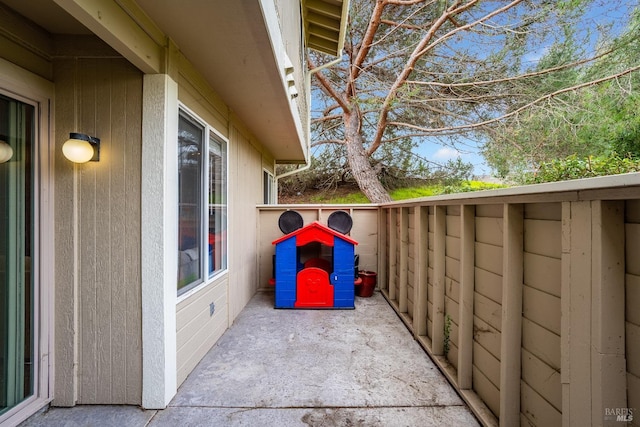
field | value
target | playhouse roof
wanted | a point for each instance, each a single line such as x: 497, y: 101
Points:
x: 314, y: 232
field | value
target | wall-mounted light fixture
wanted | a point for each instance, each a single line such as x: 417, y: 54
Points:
x: 81, y: 148
x: 6, y: 152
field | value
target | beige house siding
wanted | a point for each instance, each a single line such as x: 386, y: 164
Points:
x: 200, y: 324
x: 632, y: 292
x: 290, y: 21
x: 24, y: 44
x: 97, y: 211
x: 245, y: 192
x: 197, y: 328
x: 98, y: 218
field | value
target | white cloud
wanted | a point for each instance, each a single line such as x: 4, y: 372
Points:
x: 446, y: 153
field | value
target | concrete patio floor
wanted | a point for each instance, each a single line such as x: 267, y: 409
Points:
x: 300, y: 368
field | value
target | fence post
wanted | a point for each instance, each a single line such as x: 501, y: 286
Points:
x: 575, y: 338
x: 511, y: 334
x: 383, y: 255
x: 608, y: 365
x: 421, y: 216
x: 437, y: 334
x: 403, y: 281
x: 393, y: 254
x: 467, y: 285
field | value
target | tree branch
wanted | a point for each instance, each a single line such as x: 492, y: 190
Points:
x: 417, y: 53
x: 328, y: 87
x: 519, y: 77
x: 518, y: 110
x: 327, y: 141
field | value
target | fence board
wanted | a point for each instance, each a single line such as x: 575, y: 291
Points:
x: 541, y: 308
x: 542, y: 378
x: 489, y: 257
x: 632, y: 292
x: 537, y: 410
x: 488, y: 284
x: 542, y: 273
x: 487, y: 336
x: 488, y: 392
x: 543, y: 211
x: 488, y: 311
x: 541, y: 342
x: 489, y: 230
x: 542, y: 237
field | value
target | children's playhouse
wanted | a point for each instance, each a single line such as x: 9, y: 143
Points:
x: 314, y: 264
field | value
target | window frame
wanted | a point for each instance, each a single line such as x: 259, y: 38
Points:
x: 208, y: 133
x: 268, y: 185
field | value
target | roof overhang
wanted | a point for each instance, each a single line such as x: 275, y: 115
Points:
x: 233, y: 44
x: 325, y: 24
x: 236, y: 45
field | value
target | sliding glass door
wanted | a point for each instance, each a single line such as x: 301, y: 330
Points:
x: 17, y: 336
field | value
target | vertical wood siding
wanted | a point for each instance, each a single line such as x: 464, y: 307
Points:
x: 103, y: 97
x: 245, y: 192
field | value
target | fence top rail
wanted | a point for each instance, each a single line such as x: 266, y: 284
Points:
x: 301, y: 206
x: 599, y: 188
x: 613, y: 187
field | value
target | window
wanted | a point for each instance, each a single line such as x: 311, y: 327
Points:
x: 217, y: 205
x: 267, y: 187
x: 17, y: 283
x: 202, y: 215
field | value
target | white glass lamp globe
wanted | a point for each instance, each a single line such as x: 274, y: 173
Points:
x: 6, y: 152
x: 77, y: 148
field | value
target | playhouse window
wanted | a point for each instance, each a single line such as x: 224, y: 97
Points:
x: 202, y: 214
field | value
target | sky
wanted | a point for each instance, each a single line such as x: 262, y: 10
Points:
x: 602, y: 13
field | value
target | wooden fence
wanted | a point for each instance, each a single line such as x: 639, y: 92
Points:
x: 528, y: 299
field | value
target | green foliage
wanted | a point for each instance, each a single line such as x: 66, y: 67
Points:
x: 447, y: 335
x: 594, y: 122
x: 574, y: 167
x: 408, y: 192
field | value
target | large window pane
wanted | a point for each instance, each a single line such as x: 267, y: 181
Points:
x: 217, y: 206
x: 190, y: 144
x: 16, y: 281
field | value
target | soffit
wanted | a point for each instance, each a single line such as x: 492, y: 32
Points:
x: 325, y: 22
x: 47, y: 15
x: 229, y: 43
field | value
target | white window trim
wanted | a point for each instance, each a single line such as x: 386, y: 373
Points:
x: 208, y: 130
x: 272, y: 186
